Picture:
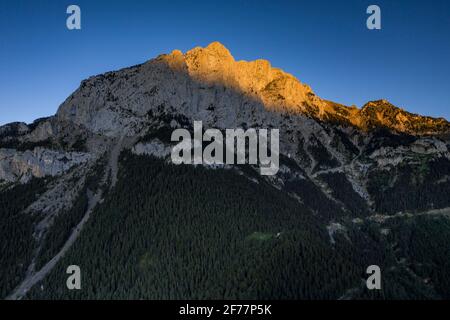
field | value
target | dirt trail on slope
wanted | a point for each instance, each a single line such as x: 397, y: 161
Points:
x: 93, y: 199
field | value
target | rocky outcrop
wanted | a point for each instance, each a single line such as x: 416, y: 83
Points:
x: 382, y: 114
x: 21, y: 166
x: 208, y: 84
x: 154, y: 148
x: 14, y: 128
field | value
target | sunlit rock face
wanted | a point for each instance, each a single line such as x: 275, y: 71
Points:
x: 215, y: 65
x: 381, y: 113
x: 205, y: 83
x: 209, y: 84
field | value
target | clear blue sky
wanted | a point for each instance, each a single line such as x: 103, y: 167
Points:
x: 324, y: 43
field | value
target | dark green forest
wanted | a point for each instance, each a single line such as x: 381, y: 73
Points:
x: 343, y: 191
x: 180, y: 232
x: 411, y: 187
x: 16, y: 230
x: 163, y: 234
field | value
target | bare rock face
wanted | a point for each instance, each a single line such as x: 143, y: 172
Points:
x: 215, y: 65
x: 154, y: 148
x: 40, y: 162
x: 43, y: 131
x: 209, y: 84
x: 205, y: 83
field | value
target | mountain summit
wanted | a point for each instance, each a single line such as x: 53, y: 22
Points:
x: 203, y: 79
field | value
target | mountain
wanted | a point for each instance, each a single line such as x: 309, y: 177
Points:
x: 94, y: 186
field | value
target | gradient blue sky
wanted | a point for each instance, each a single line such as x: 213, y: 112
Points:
x: 324, y: 43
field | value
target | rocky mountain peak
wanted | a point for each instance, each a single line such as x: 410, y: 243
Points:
x: 207, y: 83
x: 280, y: 91
x: 382, y: 113
x: 214, y: 65
x: 217, y: 48
x: 381, y: 104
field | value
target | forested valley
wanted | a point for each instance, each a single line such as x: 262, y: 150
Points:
x: 185, y: 232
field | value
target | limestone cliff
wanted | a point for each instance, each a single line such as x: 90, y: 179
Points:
x: 209, y: 84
